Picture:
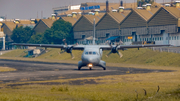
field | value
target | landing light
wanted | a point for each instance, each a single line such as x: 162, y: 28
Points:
x: 90, y: 65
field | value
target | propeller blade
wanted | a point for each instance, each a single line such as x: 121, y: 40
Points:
x: 62, y: 51
x: 120, y: 54
x: 109, y: 44
x: 108, y: 54
x: 68, y: 49
x: 64, y: 40
x: 72, y: 56
x: 117, y: 45
x: 46, y: 49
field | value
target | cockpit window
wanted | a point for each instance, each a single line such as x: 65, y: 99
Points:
x: 91, y: 53
x: 86, y: 53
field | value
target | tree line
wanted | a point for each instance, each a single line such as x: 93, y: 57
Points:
x: 60, y: 30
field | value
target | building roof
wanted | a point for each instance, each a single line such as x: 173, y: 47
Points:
x: 145, y: 14
x: 48, y: 22
x: 72, y: 20
x: 92, y: 17
x: 119, y: 16
x: 70, y: 12
x: 25, y: 22
x: 114, y: 5
x: 174, y: 11
x: 11, y: 25
x: 95, y: 3
x: 85, y: 22
x: 102, y: 7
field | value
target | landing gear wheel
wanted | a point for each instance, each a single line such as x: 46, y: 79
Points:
x: 90, y: 68
x: 104, y: 68
x: 79, y: 68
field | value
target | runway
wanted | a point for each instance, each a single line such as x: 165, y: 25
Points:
x: 41, y: 71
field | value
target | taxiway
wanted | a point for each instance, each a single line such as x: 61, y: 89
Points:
x: 40, y: 71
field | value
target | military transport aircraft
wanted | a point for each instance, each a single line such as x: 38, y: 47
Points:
x: 92, y: 53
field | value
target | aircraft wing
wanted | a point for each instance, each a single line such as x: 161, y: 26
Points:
x: 120, y: 47
x: 81, y: 47
x: 75, y: 47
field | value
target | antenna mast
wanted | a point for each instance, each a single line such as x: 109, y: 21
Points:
x: 94, y: 32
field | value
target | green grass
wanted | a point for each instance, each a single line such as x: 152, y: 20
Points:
x: 16, y: 53
x: 121, y: 88
x: 131, y: 56
x: 6, y: 69
x: 110, y: 88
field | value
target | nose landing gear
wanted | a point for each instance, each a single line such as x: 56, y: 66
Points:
x: 90, y: 66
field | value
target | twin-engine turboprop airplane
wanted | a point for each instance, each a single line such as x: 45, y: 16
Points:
x: 92, y: 53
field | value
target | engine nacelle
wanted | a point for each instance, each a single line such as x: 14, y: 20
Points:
x: 114, y: 50
x: 69, y: 49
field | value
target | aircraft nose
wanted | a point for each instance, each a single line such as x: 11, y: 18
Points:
x: 90, y: 60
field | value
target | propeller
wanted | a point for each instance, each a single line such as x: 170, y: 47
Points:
x: 114, y: 50
x: 67, y: 49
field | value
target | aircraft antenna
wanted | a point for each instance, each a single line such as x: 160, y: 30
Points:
x: 94, y: 33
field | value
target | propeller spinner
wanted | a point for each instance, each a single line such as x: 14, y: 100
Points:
x: 67, y: 49
x: 114, y: 50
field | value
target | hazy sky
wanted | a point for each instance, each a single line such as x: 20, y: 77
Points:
x: 26, y: 9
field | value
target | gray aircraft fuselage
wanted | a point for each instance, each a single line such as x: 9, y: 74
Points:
x: 92, y: 57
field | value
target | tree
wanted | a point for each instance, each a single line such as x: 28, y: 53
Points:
x: 21, y: 35
x: 59, y: 31
x: 38, y: 38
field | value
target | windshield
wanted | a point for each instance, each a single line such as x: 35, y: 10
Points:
x: 91, y: 53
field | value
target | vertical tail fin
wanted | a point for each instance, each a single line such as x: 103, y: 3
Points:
x: 94, y: 32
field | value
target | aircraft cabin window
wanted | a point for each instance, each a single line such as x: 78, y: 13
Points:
x: 86, y: 53
x: 94, y: 53
x: 91, y: 53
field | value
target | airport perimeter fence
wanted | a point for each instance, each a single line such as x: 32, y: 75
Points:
x: 166, y: 49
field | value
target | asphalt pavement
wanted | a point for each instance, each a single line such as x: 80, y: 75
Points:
x: 41, y: 71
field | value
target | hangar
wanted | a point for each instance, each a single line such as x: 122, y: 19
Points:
x: 9, y: 25
x: 135, y: 24
x: 109, y: 26
x: 83, y: 28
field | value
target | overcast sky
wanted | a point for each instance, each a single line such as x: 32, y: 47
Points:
x: 26, y: 9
